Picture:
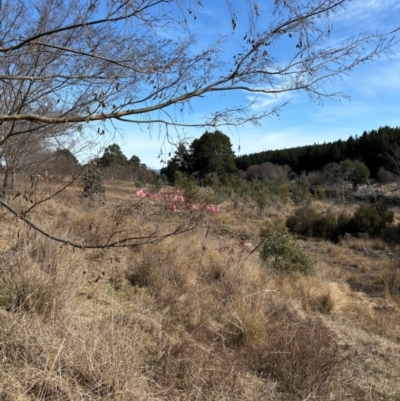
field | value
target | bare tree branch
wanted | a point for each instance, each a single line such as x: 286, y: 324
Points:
x: 111, y: 79
x: 187, y: 225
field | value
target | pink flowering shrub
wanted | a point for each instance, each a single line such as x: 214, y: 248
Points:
x: 212, y: 208
x: 173, y: 197
x: 141, y: 193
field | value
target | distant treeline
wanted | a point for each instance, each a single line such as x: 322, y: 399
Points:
x: 372, y: 148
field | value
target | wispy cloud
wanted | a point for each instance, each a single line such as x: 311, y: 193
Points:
x: 264, y: 101
x: 380, y: 77
x: 208, y: 11
x: 273, y: 139
x: 368, y: 9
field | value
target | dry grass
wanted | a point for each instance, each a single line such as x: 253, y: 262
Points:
x: 195, y: 317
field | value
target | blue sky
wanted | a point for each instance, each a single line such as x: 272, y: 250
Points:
x: 374, y: 89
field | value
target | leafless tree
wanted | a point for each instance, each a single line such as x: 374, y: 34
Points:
x: 91, y: 60
x: 19, y: 154
x: 72, y: 65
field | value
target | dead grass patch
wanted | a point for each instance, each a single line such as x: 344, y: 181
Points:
x: 193, y: 317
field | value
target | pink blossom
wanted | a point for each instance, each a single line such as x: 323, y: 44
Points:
x: 212, y: 208
x: 168, y: 194
x: 142, y: 193
x: 178, y: 198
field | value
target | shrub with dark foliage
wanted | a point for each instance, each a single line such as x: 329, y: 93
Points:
x: 92, y: 181
x: 281, y: 251
x: 373, y: 220
x: 302, y: 221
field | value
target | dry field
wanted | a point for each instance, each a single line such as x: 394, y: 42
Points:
x: 197, y: 316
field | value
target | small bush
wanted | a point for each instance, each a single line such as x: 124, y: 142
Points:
x: 92, y: 181
x: 382, y: 209
x: 326, y: 227
x: 371, y: 219
x: 301, y: 190
x: 365, y: 220
x: 319, y: 193
x: 283, y: 192
x: 392, y: 234
x: 384, y: 176
x: 302, y: 221
x: 316, y: 178
x: 281, y: 250
x: 343, y: 223
x: 260, y: 197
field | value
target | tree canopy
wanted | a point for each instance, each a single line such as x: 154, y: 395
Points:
x: 211, y: 153
x: 372, y: 148
x: 113, y: 156
x: 66, y: 154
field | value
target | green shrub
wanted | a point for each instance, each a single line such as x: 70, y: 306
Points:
x: 260, y: 197
x: 92, y: 181
x: 371, y: 219
x: 392, y: 234
x: 319, y: 193
x: 283, y: 192
x: 384, y: 176
x: 326, y: 227
x: 354, y: 171
x: 281, y: 250
x: 302, y: 221
x: 306, y: 221
x: 382, y: 209
x: 343, y: 224
x: 301, y: 190
x: 365, y: 220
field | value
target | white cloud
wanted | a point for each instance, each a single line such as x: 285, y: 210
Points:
x: 363, y: 10
x: 263, y: 139
x: 382, y: 77
x: 263, y: 101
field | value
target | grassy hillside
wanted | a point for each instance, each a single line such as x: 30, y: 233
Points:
x: 195, y: 317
